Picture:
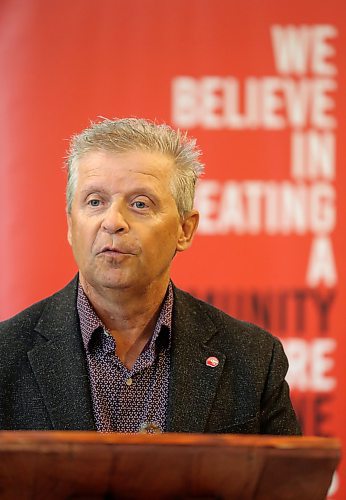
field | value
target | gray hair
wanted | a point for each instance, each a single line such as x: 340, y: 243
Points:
x: 135, y: 134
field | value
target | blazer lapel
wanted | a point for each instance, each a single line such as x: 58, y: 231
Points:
x: 193, y: 383
x: 59, y: 364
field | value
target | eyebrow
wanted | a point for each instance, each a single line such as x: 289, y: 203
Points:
x: 92, y: 189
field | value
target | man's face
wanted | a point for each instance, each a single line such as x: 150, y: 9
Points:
x: 124, y: 226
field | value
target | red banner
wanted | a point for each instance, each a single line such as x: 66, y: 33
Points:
x: 261, y: 86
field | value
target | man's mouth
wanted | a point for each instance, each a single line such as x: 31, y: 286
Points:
x: 109, y: 250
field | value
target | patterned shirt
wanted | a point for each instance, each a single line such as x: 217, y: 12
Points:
x: 127, y: 400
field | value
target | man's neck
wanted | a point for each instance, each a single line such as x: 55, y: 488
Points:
x: 129, y: 315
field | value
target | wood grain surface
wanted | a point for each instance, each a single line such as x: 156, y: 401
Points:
x: 90, y: 465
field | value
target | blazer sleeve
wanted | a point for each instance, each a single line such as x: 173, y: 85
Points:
x: 277, y: 413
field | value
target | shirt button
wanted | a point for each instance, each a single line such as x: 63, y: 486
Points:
x: 129, y: 381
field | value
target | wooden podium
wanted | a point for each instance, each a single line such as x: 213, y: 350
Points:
x: 88, y: 465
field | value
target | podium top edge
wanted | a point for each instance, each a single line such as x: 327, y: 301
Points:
x: 25, y: 438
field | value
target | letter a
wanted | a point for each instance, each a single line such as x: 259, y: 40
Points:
x: 321, y: 268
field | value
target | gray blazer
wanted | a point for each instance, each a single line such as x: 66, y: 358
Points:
x: 44, y: 381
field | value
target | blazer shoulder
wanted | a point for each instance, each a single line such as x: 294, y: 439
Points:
x: 26, y: 320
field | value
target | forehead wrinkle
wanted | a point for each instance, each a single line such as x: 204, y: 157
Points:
x: 89, y: 173
x: 95, y: 172
x: 145, y: 173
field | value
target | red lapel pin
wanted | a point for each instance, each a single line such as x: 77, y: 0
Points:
x: 212, y: 361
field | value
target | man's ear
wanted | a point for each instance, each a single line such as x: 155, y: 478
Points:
x: 69, y: 229
x: 189, y: 224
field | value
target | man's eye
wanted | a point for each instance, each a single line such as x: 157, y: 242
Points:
x: 140, y: 204
x: 94, y: 203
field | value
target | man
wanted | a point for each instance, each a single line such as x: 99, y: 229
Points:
x: 120, y: 348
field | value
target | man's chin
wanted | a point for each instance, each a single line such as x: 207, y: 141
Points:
x: 112, y: 282
x: 118, y: 285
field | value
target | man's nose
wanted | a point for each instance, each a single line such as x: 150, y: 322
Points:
x: 115, y: 219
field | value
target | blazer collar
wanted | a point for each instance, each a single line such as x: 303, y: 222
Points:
x: 193, y: 383
x: 59, y: 363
